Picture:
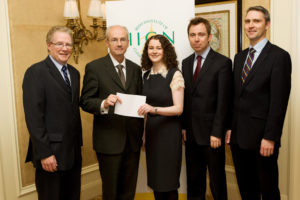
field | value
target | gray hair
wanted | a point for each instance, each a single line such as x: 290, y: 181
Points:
x: 55, y: 29
x: 110, y: 27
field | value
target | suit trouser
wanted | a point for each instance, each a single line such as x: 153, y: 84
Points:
x: 60, y: 185
x: 171, y: 195
x: 257, y: 176
x: 198, y: 158
x: 119, y: 174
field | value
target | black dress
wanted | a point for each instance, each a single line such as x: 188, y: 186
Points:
x: 163, y: 135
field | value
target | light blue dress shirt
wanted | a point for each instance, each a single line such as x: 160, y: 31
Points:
x: 258, y: 48
x: 59, y: 67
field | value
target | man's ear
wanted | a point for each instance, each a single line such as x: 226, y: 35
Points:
x: 209, y: 37
x: 268, y: 25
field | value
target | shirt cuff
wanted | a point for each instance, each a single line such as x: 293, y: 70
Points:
x: 102, y: 109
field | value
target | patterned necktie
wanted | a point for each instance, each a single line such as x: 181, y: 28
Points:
x: 248, y: 65
x: 198, y: 68
x: 121, y: 74
x: 64, y: 70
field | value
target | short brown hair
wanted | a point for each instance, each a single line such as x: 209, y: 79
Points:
x: 260, y: 9
x: 55, y: 29
x: 198, y: 20
x: 169, y: 58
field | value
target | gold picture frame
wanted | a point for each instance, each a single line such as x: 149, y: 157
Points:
x: 220, y: 26
x: 223, y: 19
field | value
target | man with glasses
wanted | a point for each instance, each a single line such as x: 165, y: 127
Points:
x: 51, y: 105
x: 117, y: 139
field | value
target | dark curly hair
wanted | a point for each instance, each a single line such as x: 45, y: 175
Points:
x: 169, y: 57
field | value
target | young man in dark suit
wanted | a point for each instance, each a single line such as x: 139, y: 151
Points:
x: 117, y: 139
x: 262, y: 82
x: 208, y: 78
x: 51, y: 105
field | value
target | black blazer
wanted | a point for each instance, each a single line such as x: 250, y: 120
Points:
x: 206, y: 103
x: 109, y: 131
x: 260, y: 103
x: 52, y: 114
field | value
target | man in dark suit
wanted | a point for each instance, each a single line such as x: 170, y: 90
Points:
x: 208, y: 76
x: 117, y: 139
x: 262, y: 81
x: 51, y: 105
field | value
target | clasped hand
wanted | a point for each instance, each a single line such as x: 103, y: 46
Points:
x: 49, y: 164
x: 111, y: 100
x: 215, y: 142
x: 144, y: 109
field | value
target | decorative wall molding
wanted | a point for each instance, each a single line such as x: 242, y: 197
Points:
x: 8, y: 150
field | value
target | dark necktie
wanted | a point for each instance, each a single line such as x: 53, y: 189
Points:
x: 121, y: 74
x: 248, y: 65
x: 198, y: 68
x: 64, y: 70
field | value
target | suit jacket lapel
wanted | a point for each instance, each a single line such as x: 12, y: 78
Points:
x: 57, y: 75
x: 189, y: 71
x: 239, y: 65
x: 73, y: 82
x: 129, y: 74
x: 207, y: 63
x: 112, y: 71
x: 257, y: 65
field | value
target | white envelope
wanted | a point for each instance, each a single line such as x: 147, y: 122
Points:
x: 130, y: 105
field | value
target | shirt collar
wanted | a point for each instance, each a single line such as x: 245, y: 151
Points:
x: 259, y: 46
x: 115, y: 62
x: 57, y: 64
x: 203, y: 54
x: 163, y: 71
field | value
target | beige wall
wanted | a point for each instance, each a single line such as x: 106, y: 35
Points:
x: 29, y: 22
x: 279, y: 33
x: 286, y: 33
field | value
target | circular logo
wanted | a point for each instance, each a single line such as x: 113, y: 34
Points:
x: 145, y: 30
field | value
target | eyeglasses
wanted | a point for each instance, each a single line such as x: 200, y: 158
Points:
x: 60, y: 45
x: 115, y: 40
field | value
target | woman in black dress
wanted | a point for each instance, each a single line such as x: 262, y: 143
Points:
x: 164, y: 88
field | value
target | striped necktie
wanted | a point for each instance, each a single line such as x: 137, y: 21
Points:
x: 67, y: 80
x: 248, y: 65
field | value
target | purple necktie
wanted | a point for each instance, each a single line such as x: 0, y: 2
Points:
x: 248, y: 65
x: 198, y: 68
